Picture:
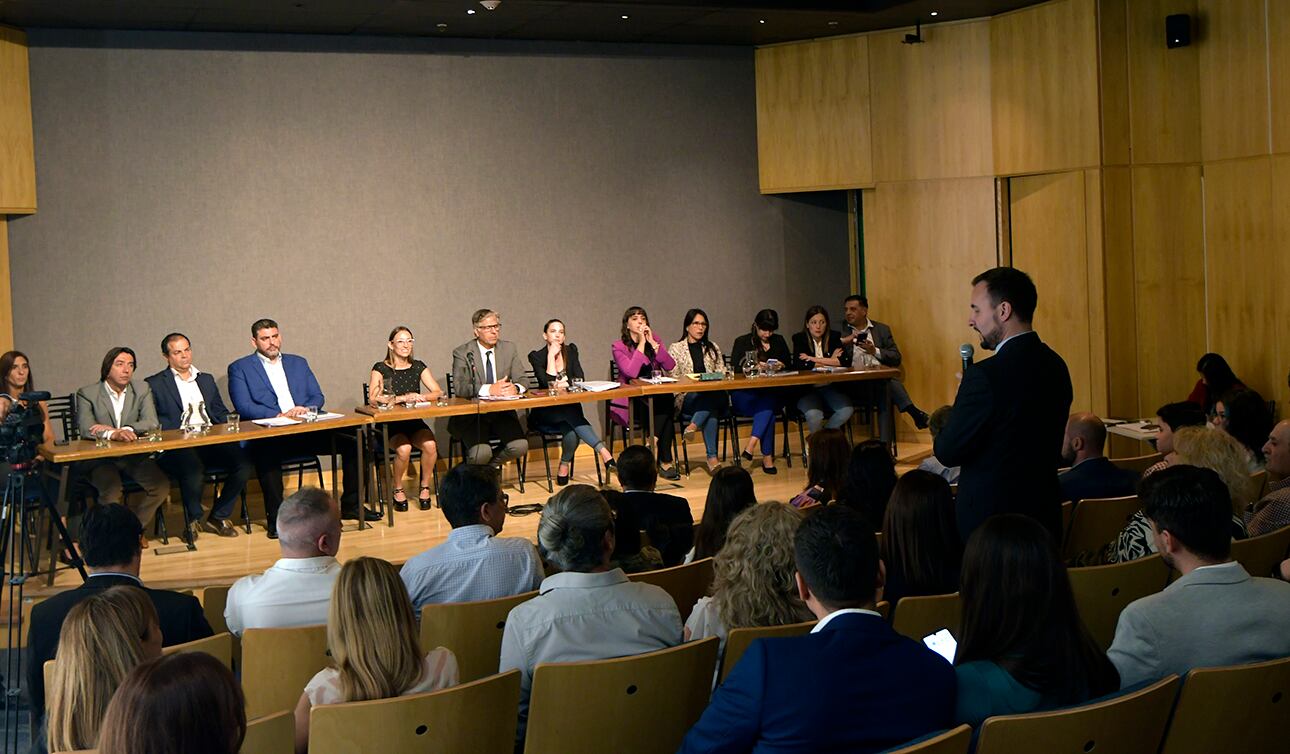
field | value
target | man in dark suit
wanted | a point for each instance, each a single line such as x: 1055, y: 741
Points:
x: 180, y: 391
x: 1091, y: 474
x: 487, y: 366
x: 872, y: 344
x: 1009, y: 416
x: 270, y: 383
x: 111, y: 545
x: 852, y: 684
x: 665, y: 518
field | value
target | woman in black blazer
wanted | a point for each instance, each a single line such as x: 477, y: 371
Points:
x: 761, y: 404
x: 817, y: 345
x: 554, y: 365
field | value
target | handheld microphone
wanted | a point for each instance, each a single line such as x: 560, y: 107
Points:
x: 965, y: 353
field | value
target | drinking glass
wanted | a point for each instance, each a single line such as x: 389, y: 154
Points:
x: 234, y: 422
x: 386, y: 401
x: 576, y: 386
x: 311, y: 414
x: 101, y: 441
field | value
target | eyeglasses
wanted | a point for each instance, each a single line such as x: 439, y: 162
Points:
x: 497, y: 326
x: 506, y: 500
x: 407, y: 342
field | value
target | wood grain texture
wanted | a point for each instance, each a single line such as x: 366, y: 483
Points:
x: 931, y: 103
x: 1279, y: 72
x: 1044, y: 88
x: 1095, y: 275
x: 1279, y: 389
x: 1233, y: 79
x: 6, y: 294
x: 1121, y: 325
x: 17, y: 153
x: 1164, y: 86
x: 1113, y: 70
x: 813, y: 115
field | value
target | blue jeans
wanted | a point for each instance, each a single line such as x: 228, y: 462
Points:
x: 701, y: 408
x: 569, y: 443
x: 814, y: 402
x: 761, y: 405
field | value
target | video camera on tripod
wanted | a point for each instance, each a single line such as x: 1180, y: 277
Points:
x: 22, y: 429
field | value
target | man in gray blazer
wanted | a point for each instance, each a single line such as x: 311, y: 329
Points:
x: 117, y: 409
x: 489, y: 368
x: 873, y: 344
x: 1216, y: 613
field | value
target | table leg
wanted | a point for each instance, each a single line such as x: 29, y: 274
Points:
x: 651, y: 441
x: 389, y: 472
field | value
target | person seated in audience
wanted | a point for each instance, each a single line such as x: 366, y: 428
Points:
x: 15, y: 370
x: 871, y: 476
x: 729, y: 493
x: 871, y: 344
x: 1215, y: 613
x: 1272, y: 512
x: 295, y: 590
x: 402, y: 378
x: 935, y: 423
x: 761, y: 345
x: 826, y: 469
x: 1091, y: 473
x: 112, y: 547
x: 1216, y: 379
x: 118, y: 410
x: 375, y: 645
x: 1170, y: 418
x: 752, y: 584
x: 695, y: 352
x: 554, y: 365
x: 638, y: 355
x: 587, y: 611
x: 920, y: 540
x: 181, y: 392
x: 1023, y: 646
x: 473, y: 563
x: 184, y: 703
x: 817, y: 345
x: 103, y: 638
x: 632, y: 553
x: 488, y: 367
x: 852, y: 684
x: 1243, y: 414
x: 665, y: 518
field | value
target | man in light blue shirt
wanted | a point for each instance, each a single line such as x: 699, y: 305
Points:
x: 474, y: 563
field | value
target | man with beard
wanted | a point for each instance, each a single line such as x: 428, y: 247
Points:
x: 1009, y: 416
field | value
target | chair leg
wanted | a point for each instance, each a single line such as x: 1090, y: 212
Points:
x: 159, y: 525
x: 546, y: 458
x: 246, y: 513
x: 522, y: 466
x: 801, y: 437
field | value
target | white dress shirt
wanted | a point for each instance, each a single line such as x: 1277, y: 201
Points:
x: 472, y: 564
x: 859, y: 356
x: 293, y: 592
x: 485, y: 354
x: 118, y: 405
x: 825, y: 620
x: 278, y: 379
x: 189, y: 394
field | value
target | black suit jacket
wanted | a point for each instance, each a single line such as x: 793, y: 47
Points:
x: 801, y: 345
x: 1006, y: 432
x: 778, y: 350
x: 665, y: 518
x: 170, y: 410
x: 182, y: 620
x: 1097, y: 477
x: 572, y: 366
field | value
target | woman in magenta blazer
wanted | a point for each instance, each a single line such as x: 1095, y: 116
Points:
x: 638, y: 354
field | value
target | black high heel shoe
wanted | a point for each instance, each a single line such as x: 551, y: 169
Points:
x: 400, y: 505
x: 746, y: 456
x: 424, y: 502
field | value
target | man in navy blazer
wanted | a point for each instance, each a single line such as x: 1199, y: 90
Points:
x: 179, y: 391
x: 852, y: 684
x: 270, y: 383
x: 1091, y: 473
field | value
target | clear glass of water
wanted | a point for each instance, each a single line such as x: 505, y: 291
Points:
x: 575, y: 384
x: 101, y: 441
x: 234, y: 422
x: 386, y: 401
x: 311, y: 414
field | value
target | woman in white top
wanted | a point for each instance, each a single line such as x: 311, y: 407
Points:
x: 374, y: 643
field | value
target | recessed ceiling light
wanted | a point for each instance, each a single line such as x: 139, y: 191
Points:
x: 833, y: 23
x: 936, y: 13
x: 625, y: 16
x: 761, y: 20
x: 470, y: 11
x: 442, y: 26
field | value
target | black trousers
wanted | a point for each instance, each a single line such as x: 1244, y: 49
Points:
x: 664, y: 408
x: 187, y: 466
x: 268, y: 455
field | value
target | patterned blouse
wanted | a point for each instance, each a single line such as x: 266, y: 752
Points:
x: 1272, y: 512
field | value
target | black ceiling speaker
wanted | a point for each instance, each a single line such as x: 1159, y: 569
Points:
x: 1178, y: 30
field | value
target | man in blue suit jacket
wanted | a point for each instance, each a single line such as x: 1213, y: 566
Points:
x: 175, y: 390
x: 853, y: 684
x: 270, y: 383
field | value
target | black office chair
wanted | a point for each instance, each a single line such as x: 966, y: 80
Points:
x: 521, y: 464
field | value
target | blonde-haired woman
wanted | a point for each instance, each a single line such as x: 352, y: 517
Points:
x: 753, y: 582
x: 375, y: 645
x: 103, y: 638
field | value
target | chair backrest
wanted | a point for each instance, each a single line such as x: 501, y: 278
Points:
x: 1239, y: 708
x: 472, y: 630
x: 738, y: 640
x: 1262, y: 554
x: 62, y: 414
x: 1258, y: 483
x: 1068, y: 512
x: 1138, y: 464
x: 884, y: 609
x: 448, y: 385
x: 917, y: 617
x: 954, y: 741
x: 477, y: 717
x: 277, y: 663
x: 219, y: 646
x: 214, y: 600
x: 1130, y: 723
x: 629, y: 705
x: 1097, y: 521
x: 271, y: 734
x: 366, y: 394
x: 686, y: 583
x: 1102, y: 592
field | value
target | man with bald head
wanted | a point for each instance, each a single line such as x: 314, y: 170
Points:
x: 296, y: 590
x: 1091, y: 474
x: 1273, y: 511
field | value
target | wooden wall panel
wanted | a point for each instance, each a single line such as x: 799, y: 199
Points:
x: 1279, y: 66
x: 1233, y: 56
x: 1095, y: 278
x: 1169, y: 270
x: 813, y: 129
x: 1164, y: 86
x: 905, y: 252
x: 1121, y: 324
x: 6, y: 295
x: 1280, y: 390
x: 1113, y: 62
x: 931, y: 103
x: 17, y: 156
x: 1044, y: 88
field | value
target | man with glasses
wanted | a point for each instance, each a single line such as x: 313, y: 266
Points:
x: 488, y: 368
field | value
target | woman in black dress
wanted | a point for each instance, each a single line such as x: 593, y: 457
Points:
x: 400, y: 379
x: 555, y: 364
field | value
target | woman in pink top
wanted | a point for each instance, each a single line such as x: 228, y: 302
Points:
x: 637, y: 354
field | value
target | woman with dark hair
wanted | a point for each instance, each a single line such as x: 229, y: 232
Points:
x: 1216, y: 378
x: 826, y: 472
x: 761, y: 345
x: 920, y: 540
x: 729, y: 493
x: 184, y: 703
x: 638, y: 355
x: 400, y: 378
x: 871, y: 476
x: 15, y: 369
x: 818, y: 345
x: 554, y: 364
x: 1243, y: 414
x: 695, y: 352
x: 1023, y: 646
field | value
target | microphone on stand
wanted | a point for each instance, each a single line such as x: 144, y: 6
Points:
x: 965, y: 353
x: 474, y: 373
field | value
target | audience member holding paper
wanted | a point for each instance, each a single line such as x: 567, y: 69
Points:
x: 488, y: 367
x: 399, y: 378
x: 761, y: 344
x: 554, y: 365
x: 271, y: 384
x: 639, y: 356
x: 696, y: 353
x: 818, y: 345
